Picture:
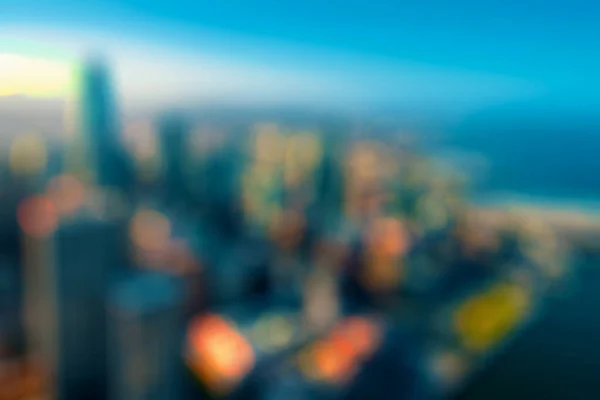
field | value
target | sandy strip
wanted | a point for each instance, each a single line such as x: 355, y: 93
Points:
x: 578, y: 225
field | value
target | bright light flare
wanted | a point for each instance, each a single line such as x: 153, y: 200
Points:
x: 336, y: 358
x: 220, y: 354
x: 35, y: 77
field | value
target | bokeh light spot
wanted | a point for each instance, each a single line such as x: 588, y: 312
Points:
x: 37, y: 216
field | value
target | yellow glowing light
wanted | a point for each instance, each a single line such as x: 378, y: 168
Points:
x: 36, y: 77
x: 484, y: 320
x: 28, y: 154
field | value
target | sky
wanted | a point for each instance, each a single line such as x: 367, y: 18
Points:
x: 460, y: 56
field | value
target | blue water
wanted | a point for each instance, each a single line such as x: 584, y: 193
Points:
x: 545, y: 161
x: 559, y: 357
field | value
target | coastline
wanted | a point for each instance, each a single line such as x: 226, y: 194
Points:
x: 576, y: 220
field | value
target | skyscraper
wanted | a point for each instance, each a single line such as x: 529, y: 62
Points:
x: 10, y: 257
x: 101, y: 127
x: 87, y: 253
x: 145, y: 325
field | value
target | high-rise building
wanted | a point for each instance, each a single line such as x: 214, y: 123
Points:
x: 11, y: 340
x: 10, y: 253
x: 87, y: 254
x: 66, y: 270
x: 100, y: 125
x: 145, y: 331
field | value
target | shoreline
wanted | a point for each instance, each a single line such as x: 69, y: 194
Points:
x: 578, y: 222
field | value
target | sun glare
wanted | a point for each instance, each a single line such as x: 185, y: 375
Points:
x: 35, y: 77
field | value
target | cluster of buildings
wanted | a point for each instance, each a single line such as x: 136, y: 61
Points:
x: 268, y: 261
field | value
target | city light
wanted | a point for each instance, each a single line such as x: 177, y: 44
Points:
x: 336, y: 358
x: 150, y: 230
x: 485, y: 319
x: 219, y: 353
x: 37, y: 216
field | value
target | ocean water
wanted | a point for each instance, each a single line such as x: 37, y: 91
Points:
x: 559, y: 356
x: 539, y: 164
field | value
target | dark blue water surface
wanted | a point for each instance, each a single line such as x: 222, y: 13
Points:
x: 559, y: 356
x: 542, y: 156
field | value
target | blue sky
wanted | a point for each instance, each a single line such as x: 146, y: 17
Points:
x: 462, y: 52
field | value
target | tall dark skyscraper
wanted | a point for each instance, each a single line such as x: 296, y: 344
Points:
x: 87, y: 253
x: 100, y: 124
x: 10, y: 247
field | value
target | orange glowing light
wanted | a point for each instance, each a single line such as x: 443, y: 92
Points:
x: 67, y: 193
x: 363, y: 334
x: 387, y: 238
x: 333, y: 362
x: 37, y: 216
x: 20, y: 380
x: 150, y: 230
x: 337, y: 357
x: 221, y: 349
